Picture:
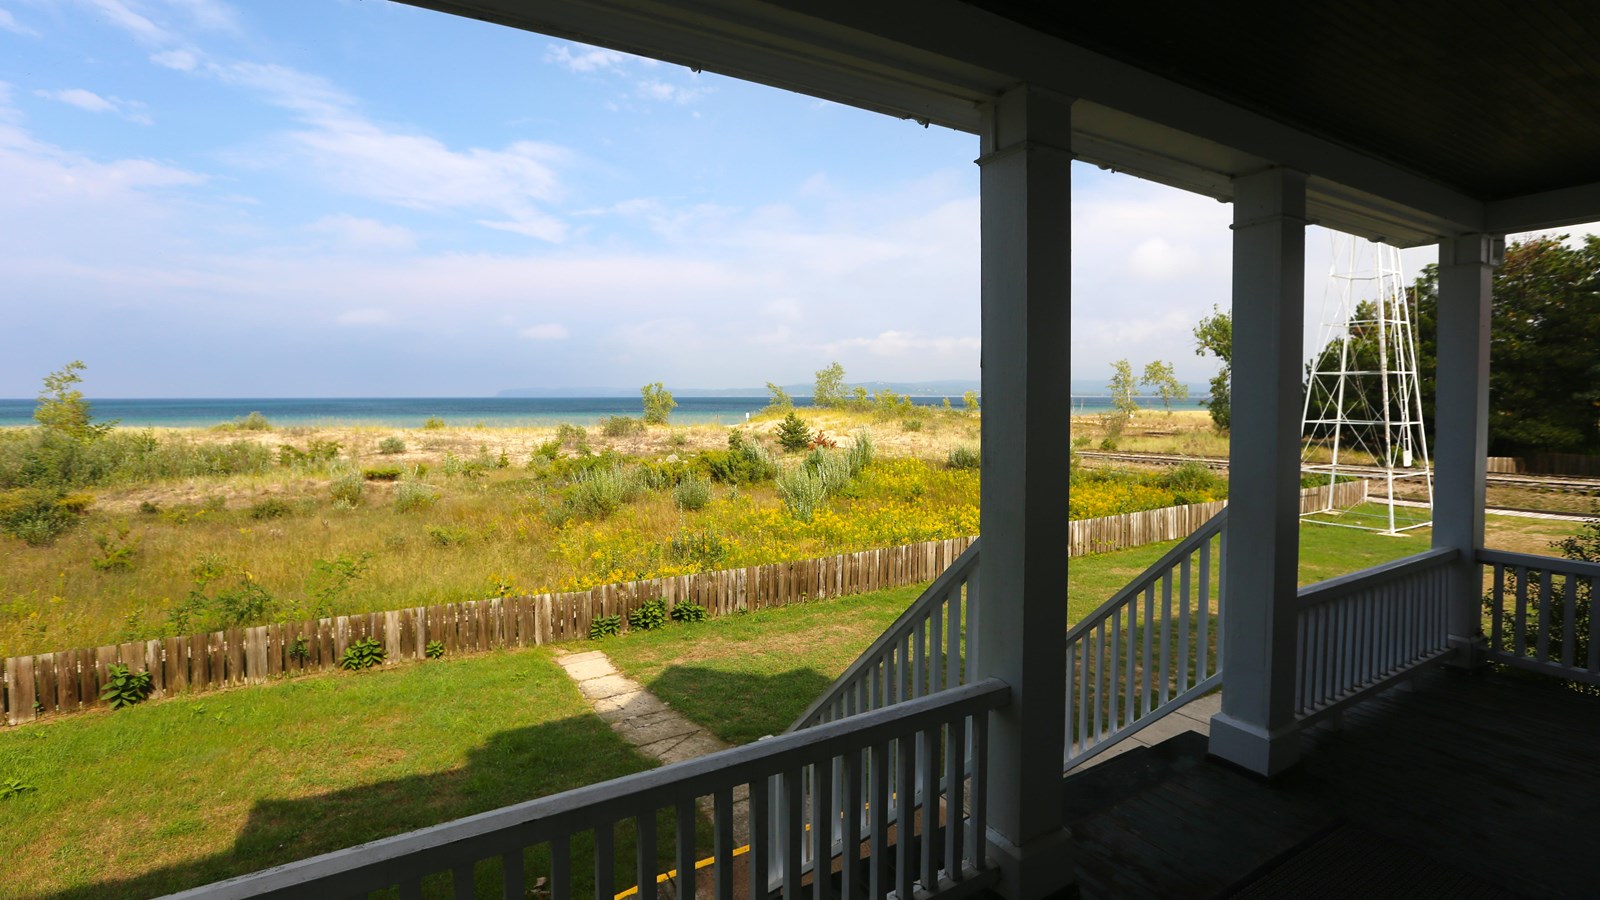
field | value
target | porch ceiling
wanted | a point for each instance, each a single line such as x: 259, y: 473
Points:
x: 1413, y: 122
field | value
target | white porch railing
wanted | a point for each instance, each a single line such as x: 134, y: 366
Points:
x: 920, y: 654
x: 883, y: 756
x: 1361, y: 631
x: 1540, y: 610
x: 1153, y: 647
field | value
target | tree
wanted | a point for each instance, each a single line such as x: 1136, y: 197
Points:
x: 793, y: 435
x: 969, y: 401
x: 1214, y: 335
x: 1158, y: 375
x: 1544, y: 366
x: 829, y: 389
x: 1124, y: 389
x: 778, y: 398
x: 658, y: 403
x: 61, y: 408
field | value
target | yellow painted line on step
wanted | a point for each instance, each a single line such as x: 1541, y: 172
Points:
x: 670, y: 874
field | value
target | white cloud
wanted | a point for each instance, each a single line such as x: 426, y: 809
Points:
x: 8, y: 22
x: 669, y: 93
x: 181, y: 60
x: 122, y: 16
x: 904, y: 343
x: 82, y: 99
x: 211, y: 15
x: 549, y: 331
x: 364, y: 234
x: 582, y: 59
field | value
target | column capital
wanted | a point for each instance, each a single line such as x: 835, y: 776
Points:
x: 1472, y: 250
x: 1026, y: 117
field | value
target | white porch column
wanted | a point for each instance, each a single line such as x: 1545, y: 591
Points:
x: 1461, y: 426
x: 1026, y: 186
x: 1255, y: 728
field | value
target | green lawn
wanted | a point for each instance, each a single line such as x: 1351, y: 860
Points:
x: 178, y: 793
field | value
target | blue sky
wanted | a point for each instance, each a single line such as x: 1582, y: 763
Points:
x: 340, y: 198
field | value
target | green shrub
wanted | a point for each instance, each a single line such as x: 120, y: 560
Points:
x: 548, y: 450
x: 40, y: 515
x: 832, y: 467
x: 744, y: 462
x: 299, y: 651
x: 793, y: 435
x: 679, y: 439
x: 449, y: 535
x: 391, y: 445
x: 1192, y: 482
x: 599, y: 492
x: 381, y: 473
x: 571, y: 435
x: 687, y: 611
x: 802, y: 492
x: 347, y: 490
x: 432, y: 423
x: 253, y: 422
x: 414, y: 495
x: 963, y: 458
x: 650, y: 615
x: 861, y: 453
x: 363, y: 654
x: 705, y: 550
x: 621, y: 426
x: 270, y: 508
x: 149, y: 508
x: 434, y: 650
x: 658, y: 403
x: 911, y: 424
x: 605, y: 626
x: 124, y: 688
x: 117, y: 550
x: 692, y: 493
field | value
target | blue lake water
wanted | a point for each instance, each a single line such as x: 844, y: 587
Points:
x: 409, y: 412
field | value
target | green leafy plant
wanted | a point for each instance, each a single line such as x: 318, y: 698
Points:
x: 658, y: 403
x: 270, y: 508
x: 449, y: 535
x: 802, y: 492
x: 299, y: 651
x: 347, y: 490
x: 117, y: 550
x: 688, y: 611
x: 650, y: 615
x: 381, y: 473
x: 253, y: 422
x: 40, y: 515
x: 605, y: 626
x: 434, y: 650
x: 963, y: 458
x: 14, y: 787
x: 432, y: 423
x: 692, y: 493
x: 621, y: 426
x: 413, y: 495
x: 793, y: 434
x: 391, y: 445
x: 125, y: 688
x: 363, y: 654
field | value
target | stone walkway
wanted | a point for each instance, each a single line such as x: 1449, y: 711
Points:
x: 648, y: 723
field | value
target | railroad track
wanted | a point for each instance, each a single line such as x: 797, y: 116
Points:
x: 1560, y: 483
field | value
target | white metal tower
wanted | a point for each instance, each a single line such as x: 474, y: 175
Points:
x: 1363, y: 403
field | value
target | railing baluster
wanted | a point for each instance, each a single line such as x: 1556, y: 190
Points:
x: 1203, y: 613
x: 684, y: 848
x: 1166, y: 636
x: 411, y: 889
x: 1066, y: 731
x: 919, y: 656
x: 561, y: 867
x: 928, y: 760
x: 645, y: 854
x: 1113, y: 669
x: 1099, y: 678
x: 721, y: 845
x: 954, y: 796
x: 936, y: 649
x: 791, y: 830
x: 1130, y: 684
x: 1147, y: 660
x: 905, y: 821
x: 1499, y: 613
x: 1520, y: 634
x: 461, y: 882
x: 1084, y: 676
x: 760, y: 824
x: 850, y: 775
x: 1544, y: 616
x: 513, y: 880
x: 1183, y: 624
x: 977, y: 839
x: 822, y: 820
x: 878, y: 807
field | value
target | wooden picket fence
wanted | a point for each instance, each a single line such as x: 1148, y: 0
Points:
x: 1579, y: 465
x: 71, y: 680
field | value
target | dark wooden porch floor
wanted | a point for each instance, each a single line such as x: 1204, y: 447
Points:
x: 1469, y: 785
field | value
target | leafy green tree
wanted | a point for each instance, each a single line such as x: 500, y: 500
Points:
x: 61, y: 408
x: 1124, y: 388
x: 1159, y: 375
x: 829, y: 389
x: 778, y: 398
x: 969, y: 401
x: 1214, y: 335
x: 1544, y: 354
x: 658, y: 403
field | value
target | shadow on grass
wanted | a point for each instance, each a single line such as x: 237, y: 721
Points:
x: 739, y: 707
x: 510, y: 767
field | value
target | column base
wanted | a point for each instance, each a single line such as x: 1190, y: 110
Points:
x: 1252, y: 748
x: 1468, y: 654
x: 1040, y: 869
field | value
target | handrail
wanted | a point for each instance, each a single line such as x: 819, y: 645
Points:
x: 406, y: 858
x: 845, y: 695
x: 1540, y: 562
x: 1344, y: 585
x: 1130, y: 664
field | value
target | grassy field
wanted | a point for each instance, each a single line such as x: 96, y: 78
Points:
x: 174, y: 794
